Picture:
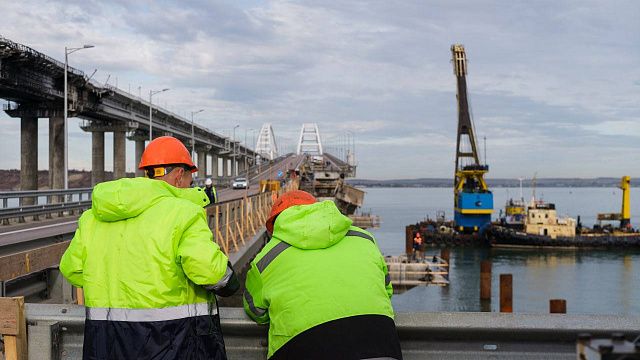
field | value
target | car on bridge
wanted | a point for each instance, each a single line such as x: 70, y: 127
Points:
x: 240, y: 183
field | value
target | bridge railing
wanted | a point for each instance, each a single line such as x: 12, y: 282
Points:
x: 18, y: 204
x: 53, y: 331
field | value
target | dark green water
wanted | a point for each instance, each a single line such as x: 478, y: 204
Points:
x: 592, y: 281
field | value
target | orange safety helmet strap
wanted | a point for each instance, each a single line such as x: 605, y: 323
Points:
x: 166, y: 151
x: 287, y: 200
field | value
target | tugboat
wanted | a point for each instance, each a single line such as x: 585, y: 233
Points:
x: 542, y: 228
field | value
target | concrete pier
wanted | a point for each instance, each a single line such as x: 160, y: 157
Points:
x: 202, y: 163
x: 214, y: 165
x: 29, y: 156
x: 56, y: 153
x: 234, y: 166
x: 139, y: 151
x: 97, y: 157
x: 119, y: 155
x: 225, y: 166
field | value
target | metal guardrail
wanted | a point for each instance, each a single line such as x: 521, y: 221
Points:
x: 27, y: 203
x: 38, y: 193
x: 56, y: 332
x: 45, y: 209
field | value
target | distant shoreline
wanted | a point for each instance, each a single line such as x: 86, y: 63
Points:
x: 493, y: 183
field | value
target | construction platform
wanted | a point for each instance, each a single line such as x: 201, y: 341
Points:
x: 406, y: 272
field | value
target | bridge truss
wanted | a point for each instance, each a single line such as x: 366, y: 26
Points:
x: 266, y: 146
x: 309, y: 141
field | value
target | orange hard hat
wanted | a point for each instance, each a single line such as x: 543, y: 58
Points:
x: 166, y: 150
x: 287, y: 200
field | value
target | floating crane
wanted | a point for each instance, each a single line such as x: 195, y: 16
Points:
x: 624, y: 216
x: 473, y: 201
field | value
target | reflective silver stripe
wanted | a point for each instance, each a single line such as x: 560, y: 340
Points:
x: 271, y: 255
x: 387, y: 279
x: 223, y: 282
x: 256, y: 310
x: 359, y: 234
x: 145, y: 315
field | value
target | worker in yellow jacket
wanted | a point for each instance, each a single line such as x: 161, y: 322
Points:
x: 322, y: 285
x: 145, y: 257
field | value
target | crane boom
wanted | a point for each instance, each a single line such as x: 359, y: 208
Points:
x: 465, y: 126
x: 473, y: 202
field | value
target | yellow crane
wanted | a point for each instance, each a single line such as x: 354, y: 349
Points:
x: 624, y: 216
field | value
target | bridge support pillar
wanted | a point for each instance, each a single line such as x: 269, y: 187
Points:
x: 234, y: 167
x: 139, y: 151
x: 119, y: 155
x: 56, y: 152
x: 225, y: 166
x: 243, y: 164
x: 214, y: 165
x: 202, y: 164
x: 29, y: 156
x: 97, y: 157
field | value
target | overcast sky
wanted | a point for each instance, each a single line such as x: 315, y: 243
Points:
x: 554, y: 85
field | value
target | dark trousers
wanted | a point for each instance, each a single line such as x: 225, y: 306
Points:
x: 355, y: 337
x: 198, y: 337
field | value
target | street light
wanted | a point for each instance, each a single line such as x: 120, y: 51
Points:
x: 151, y: 93
x: 193, y: 137
x: 68, y: 51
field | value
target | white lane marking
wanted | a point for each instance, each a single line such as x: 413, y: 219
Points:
x: 38, y: 227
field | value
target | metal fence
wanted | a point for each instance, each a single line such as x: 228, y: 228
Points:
x: 237, y: 220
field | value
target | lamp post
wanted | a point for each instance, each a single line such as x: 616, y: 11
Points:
x: 233, y: 154
x: 193, y: 137
x: 151, y: 93
x: 68, y: 51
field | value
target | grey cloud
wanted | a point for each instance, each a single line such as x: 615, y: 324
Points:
x: 545, y: 77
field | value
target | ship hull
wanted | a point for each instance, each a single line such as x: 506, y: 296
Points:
x: 499, y: 236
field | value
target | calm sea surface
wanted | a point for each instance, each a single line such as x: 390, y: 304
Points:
x: 592, y: 281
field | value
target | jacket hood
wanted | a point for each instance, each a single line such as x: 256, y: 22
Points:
x: 315, y: 226
x: 129, y: 197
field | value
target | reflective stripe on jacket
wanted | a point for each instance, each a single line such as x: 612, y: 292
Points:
x: 145, y: 255
x: 316, y: 268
